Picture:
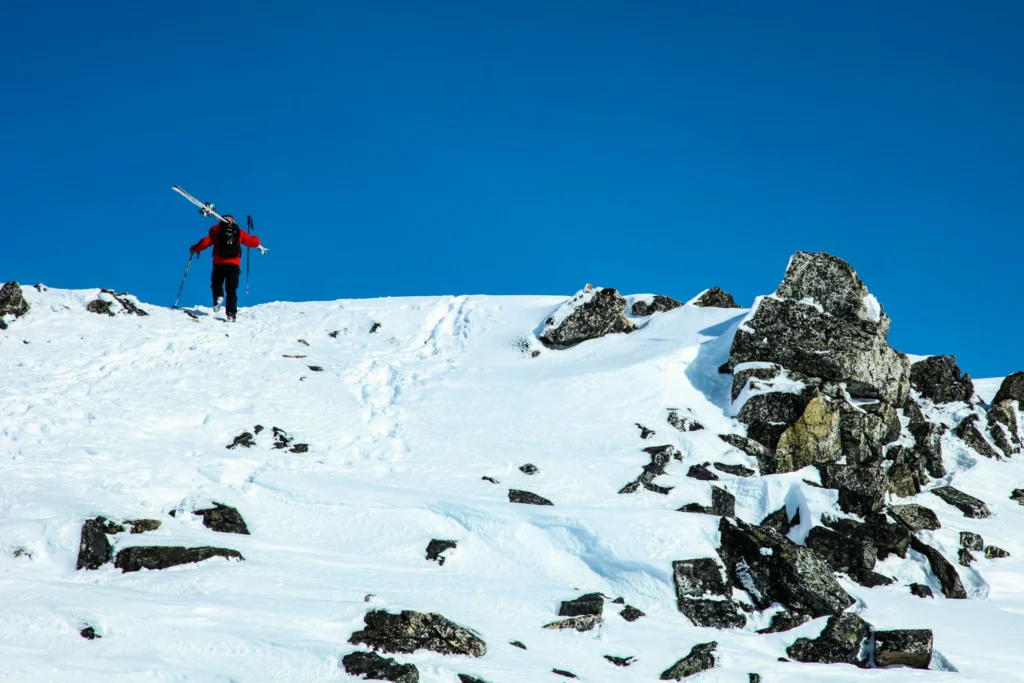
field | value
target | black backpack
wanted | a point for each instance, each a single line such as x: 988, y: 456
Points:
x: 228, y: 240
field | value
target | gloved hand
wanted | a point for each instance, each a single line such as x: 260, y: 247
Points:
x: 193, y: 250
x: 263, y: 249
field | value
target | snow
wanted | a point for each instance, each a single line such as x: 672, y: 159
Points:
x: 128, y: 417
x: 872, y: 308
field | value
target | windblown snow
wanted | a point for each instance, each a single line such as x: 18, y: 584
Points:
x: 418, y: 414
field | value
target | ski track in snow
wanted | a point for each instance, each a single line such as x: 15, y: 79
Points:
x: 129, y: 417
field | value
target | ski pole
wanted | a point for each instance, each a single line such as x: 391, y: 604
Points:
x: 248, y: 256
x: 183, y: 280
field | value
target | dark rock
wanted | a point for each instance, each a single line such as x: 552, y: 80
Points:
x: 861, y: 489
x: 436, y: 547
x: 716, y: 298
x: 993, y: 552
x: 245, y: 440
x: 100, y: 307
x: 771, y: 568
x: 842, y: 553
x: 888, y: 538
x: 12, y: 302
x: 1012, y: 389
x: 299, y: 448
x: 939, y: 379
x: 105, y: 306
x: 921, y: 591
x: 566, y: 674
x: 659, y: 304
x: 581, y: 624
x: 591, y: 603
x: 141, y: 526
x: 755, y: 678
x: 928, y: 447
x: 411, y: 631
x: 785, y: 621
x: 780, y: 522
x: 965, y: 557
x: 904, y: 477
x: 768, y: 416
x: 464, y: 678
x: 712, y: 613
x: 766, y: 461
x: 526, y: 498
x: 223, y: 519
x: 702, y: 472
x: 371, y: 665
x: 161, y: 557
x: 630, y: 613
x: 333, y: 335
x: 1004, y: 428
x: 619, y: 661
x: 722, y: 503
x: 490, y: 479
x: 968, y: 431
x: 813, y: 439
x: 528, y: 469
x: 701, y: 658
x: 761, y: 374
x: 844, y: 641
x: 374, y: 327
x: 589, y: 315
x: 944, y: 571
x: 969, y: 505
x: 315, y: 368
x: 619, y: 601
x: 684, y: 423
x: 910, y: 647
x: 699, y: 578
x: 1017, y: 495
x: 645, y: 433
x: 735, y: 470
x: 915, y: 517
x: 95, y: 550
x: 865, y: 431
x: 869, y: 578
x: 660, y: 457
x: 971, y: 541
x: 516, y: 643
x: 89, y: 633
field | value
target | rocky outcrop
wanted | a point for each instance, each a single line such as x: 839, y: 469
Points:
x: 722, y: 503
x: 436, y: 547
x: 591, y: 603
x: 701, y: 658
x: 657, y: 304
x: 95, y: 549
x: 1017, y: 495
x: 592, y: 313
x: 861, y: 489
x: 909, y: 647
x: 684, y: 423
x: 630, y: 613
x: 769, y: 415
x: 968, y: 431
x: 1012, y: 389
x: 813, y: 439
x: 844, y: 640
x: 938, y: 379
x: 921, y: 591
x: 528, y: 469
x: 526, y: 498
x: 619, y: 661
x: 703, y: 595
x: 141, y: 526
x: 785, y: 621
x: 12, y: 303
x: 971, y: 541
x: 223, y: 519
x: 374, y: 667
x: 410, y: 631
x: 702, y: 472
x: 967, y: 504
x: 837, y: 550
x: 660, y: 457
x: 734, y: 470
x: 583, y: 623
x: 993, y: 552
x: 944, y: 571
x: 780, y: 521
x: 915, y: 517
x: 716, y: 298
x: 1004, y: 428
x: 161, y: 557
x: 865, y: 430
x: 888, y: 538
x: 765, y: 458
x: 110, y: 303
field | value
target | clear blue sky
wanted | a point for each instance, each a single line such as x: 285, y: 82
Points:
x: 400, y: 148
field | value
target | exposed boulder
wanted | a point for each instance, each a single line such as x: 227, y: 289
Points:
x: 888, y: 538
x: 734, y: 470
x: 994, y: 552
x: 766, y: 372
x: 869, y: 578
x: 706, y: 613
x: 765, y: 458
x: 702, y: 472
x: 645, y: 433
x: 12, y: 303
x: 660, y: 457
x: 684, y: 423
x: 968, y: 431
x: 465, y: 678
x: 865, y: 430
x: 785, y: 621
x: 1017, y: 495
x: 245, y: 440
x: 722, y: 503
x: 564, y: 674
x: 944, y: 571
x: 95, y: 549
x: 813, y: 439
x: 591, y: 603
x: 1012, y: 389
x: 716, y: 298
x: 967, y: 504
x: 89, y: 633
x: 526, y: 498
x: 592, y: 313
x: 904, y: 475
x: 965, y: 557
x: 915, y: 517
x: 224, y: 519
x: 780, y: 521
x: 410, y: 631
x: 839, y: 552
x: 701, y: 658
x: 927, y: 449
x: 769, y: 415
x: 657, y: 304
x: 141, y: 526
x: 845, y: 640
x: 583, y: 623
x: 372, y: 666
x: 771, y: 568
x: 619, y: 661
x: 110, y: 303
x: 921, y: 591
x: 630, y: 613
x: 861, y: 489
x: 938, y: 378
x: 161, y: 557
x: 971, y: 541
x: 436, y: 547
x: 907, y: 647
x: 1004, y: 428
x: 528, y: 469
x: 697, y: 580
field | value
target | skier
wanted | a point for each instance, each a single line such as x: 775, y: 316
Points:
x: 227, y: 240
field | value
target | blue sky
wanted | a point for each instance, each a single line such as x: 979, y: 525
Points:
x: 404, y: 148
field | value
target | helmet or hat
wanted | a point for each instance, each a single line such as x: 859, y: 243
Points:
x: 229, y: 217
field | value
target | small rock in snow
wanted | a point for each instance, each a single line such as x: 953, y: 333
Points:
x: 619, y: 661
x: 89, y: 633
x: 372, y: 666
x: 993, y: 552
x: 630, y: 613
x: 223, y: 519
x: 526, y: 498
x: 921, y: 591
x: 971, y: 541
x: 528, y: 469
x: 436, y: 547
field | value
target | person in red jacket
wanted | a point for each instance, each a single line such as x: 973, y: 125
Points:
x: 227, y: 240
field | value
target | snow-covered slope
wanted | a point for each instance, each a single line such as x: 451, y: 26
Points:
x: 129, y: 417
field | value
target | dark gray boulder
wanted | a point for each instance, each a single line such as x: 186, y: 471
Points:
x: 591, y: 603
x: 161, y: 557
x: 410, y: 631
x: 658, y: 304
x: 466, y: 678
x: 702, y: 472
x: 906, y: 472
x: 141, y: 526
x: 865, y: 431
x: 964, y: 557
x: 971, y: 541
x: 122, y: 301
x: 993, y: 552
x: 765, y: 372
x: 564, y: 674
x: 765, y: 458
x: 861, y: 489
x: 780, y: 521
x: 1017, y: 495
x: 785, y: 621
x: 12, y: 302
x: 526, y: 498
x: 684, y: 423
x: 769, y: 415
x: 660, y: 457
x: 887, y: 538
x: 944, y: 571
x: 771, y: 568
x: 921, y: 591
x: 869, y: 578
x: 1012, y: 389
x: 968, y: 431
x: 528, y: 469
x: 722, y: 503
x: 630, y: 613
x: 89, y: 633
x: 223, y: 519
x: 701, y: 658
x: 938, y: 378
x: 841, y: 552
x: 699, y: 578
x: 928, y: 447
x: 583, y: 623
x: 245, y: 440
x: 915, y: 517
x: 716, y: 298
x: 374, y: 667
x: 619, y: 661
x: 438, y: 546
x: 590, y: 314
x: 734, y: 470
x: 906, y: 647
x: 845, y: 640
x: 1004, y: 428
x: 95, y: 549
x: 967, y: 504
x: 706, y: 613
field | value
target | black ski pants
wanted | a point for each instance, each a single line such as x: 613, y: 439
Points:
x: 226, y: 274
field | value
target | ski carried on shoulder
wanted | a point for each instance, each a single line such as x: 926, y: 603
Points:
x: 205, y: 208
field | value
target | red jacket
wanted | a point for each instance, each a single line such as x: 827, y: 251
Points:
x: 211, y: 240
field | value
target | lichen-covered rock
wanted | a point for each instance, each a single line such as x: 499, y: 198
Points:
x: 438, y: 546
x: 915, y: 517
x: 410, y: 631
x: 964, y: 557
x: 716, y: 298
x: 699, y: 578
x: 785, y: 621
x: 372, y: 666
x: 12, y: 303
x: 968, y: 431
x: 657, y: 304
x: 526, y: 498
x: 591, y: 603
x: 161, y: 557
x: 223, y: 519
x: 841, y: 552
x: 780, y: 521
x: 844, y: 640
x: 944, y: 571
x: 722, y: 503
x: 108, y: 299
x: 928, y: 447
x: 907, y: 647
x: 993, y: 552
x: 630, y: 613
x: 734, y: 470
x: 771, y: 568
x: 971, y: 541
x: 768, y: 416
x: 864, y: 431
x: 766, y: 461
x: 701, y: 658
x: 592, y: 313
x: 967, y: 504
x: 887, y: 538
x: 938, y: 378
x: 684, y: 423
x: 141, y: 526
x: 1004, y: 428
x: 1012, y: 389
x: 712, y: 613
x: 861, y: 489
x: 95, y: 549
x: 813, y: 439
x: 582, y: 623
